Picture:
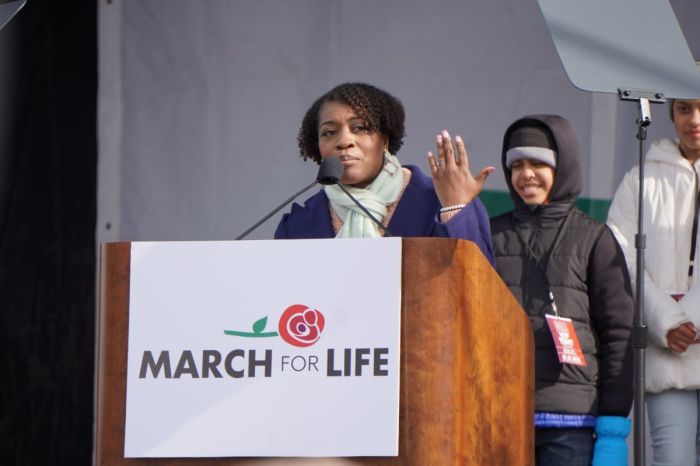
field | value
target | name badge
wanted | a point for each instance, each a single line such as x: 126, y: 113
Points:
x: 565, y: 340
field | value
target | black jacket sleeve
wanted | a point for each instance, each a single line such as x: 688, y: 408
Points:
x: 612, y: 312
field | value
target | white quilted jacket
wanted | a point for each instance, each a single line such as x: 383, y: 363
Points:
x: 669, y: 199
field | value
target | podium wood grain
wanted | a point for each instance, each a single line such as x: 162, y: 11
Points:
x: 467, y: 384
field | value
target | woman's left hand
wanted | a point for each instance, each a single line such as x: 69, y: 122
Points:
x: 454, y: 183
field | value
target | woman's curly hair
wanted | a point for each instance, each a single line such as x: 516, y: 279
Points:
x: 381, y: 111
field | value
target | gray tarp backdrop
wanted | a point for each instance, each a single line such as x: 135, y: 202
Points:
x: 200, y: 101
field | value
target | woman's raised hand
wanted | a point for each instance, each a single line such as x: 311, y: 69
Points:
x: 454, y: 183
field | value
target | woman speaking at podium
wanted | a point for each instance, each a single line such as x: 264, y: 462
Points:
x: 364, y: 127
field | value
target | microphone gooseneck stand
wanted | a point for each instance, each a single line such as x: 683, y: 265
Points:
x: 639, y: 331
x: 266, y: 217
x: 329, y: 172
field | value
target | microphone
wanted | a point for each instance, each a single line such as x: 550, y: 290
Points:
x: 330, y: 172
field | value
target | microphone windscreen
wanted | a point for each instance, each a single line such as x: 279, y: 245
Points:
x: 330, y: 171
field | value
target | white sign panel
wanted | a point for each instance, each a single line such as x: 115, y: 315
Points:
x: 264, y: 348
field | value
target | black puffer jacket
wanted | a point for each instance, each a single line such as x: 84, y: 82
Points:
x: 589, y: 280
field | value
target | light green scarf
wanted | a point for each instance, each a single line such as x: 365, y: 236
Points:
x: 384, y: 190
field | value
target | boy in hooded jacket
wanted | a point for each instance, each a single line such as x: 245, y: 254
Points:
x: 568, y: 273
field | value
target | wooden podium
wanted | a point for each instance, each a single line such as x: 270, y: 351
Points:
x: 467, y: 365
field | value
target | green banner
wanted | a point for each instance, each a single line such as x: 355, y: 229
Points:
x: 498, y: 202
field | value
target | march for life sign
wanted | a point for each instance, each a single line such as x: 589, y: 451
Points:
x: 264, y: 348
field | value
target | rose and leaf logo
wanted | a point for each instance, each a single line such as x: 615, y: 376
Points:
x: 299, y: 325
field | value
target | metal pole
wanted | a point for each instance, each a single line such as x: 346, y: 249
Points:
x: 639, y: 336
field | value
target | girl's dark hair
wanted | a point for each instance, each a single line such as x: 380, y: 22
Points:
x: 381, y: 111
x: 670, y: 107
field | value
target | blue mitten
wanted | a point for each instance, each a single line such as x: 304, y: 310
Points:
x: 610, y: 448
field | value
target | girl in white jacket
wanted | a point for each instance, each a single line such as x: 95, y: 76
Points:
x: 671, y: 283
